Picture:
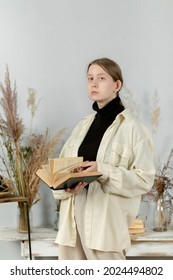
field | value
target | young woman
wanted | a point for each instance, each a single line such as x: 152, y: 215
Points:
x: 94, y: 219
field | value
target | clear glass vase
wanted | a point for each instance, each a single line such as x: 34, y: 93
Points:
x: 160, y: 221
x: 22, y: 220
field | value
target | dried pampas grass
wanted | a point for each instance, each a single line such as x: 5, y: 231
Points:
x: 155, y: 112
x: 22, y: 155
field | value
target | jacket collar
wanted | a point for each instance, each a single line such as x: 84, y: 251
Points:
x: 126, y: 114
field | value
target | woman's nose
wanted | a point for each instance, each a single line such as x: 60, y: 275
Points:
x: 94, y: 83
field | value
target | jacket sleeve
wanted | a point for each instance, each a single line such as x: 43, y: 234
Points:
x: 61, y: 194
x: 135, y: 180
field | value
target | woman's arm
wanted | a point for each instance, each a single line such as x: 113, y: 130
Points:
x: 136, y: 180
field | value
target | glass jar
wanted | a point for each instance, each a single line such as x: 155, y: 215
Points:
x: 160, y: 221
x: 22, y: 220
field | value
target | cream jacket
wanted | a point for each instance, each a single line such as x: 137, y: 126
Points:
x: 125, y: 158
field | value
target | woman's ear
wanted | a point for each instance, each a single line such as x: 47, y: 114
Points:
x: 118, y: 85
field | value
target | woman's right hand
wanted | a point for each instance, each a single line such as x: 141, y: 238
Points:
x: 77, y: 189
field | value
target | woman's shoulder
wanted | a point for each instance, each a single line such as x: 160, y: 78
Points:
x: 134, y: 123
x: 129, y: 117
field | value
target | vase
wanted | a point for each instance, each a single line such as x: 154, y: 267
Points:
x: 150, y: 213
x: 22, y: 218
x: 160, y: 221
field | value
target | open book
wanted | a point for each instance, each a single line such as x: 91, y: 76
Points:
x: 61, y: 173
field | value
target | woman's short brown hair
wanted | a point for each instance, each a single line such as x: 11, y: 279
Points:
x: 110, y: 66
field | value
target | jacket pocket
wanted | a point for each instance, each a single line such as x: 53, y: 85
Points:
x: 118, y: 155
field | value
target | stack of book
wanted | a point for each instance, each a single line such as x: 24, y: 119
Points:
x: 137, y: 228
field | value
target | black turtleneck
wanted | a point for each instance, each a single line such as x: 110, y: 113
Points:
x: 103, y: 119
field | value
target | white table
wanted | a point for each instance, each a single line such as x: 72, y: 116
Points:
x: 42, y: 241
x: 151, y: 245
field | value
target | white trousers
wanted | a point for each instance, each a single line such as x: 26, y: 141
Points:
x: 80, y: 251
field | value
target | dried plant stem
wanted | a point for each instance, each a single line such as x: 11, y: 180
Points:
x: 155, y: 112
x: 19, y: 172
x: 167, y: 164
x: 22, y: 155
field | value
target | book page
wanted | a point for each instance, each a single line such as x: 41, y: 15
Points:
x: 44, y: 177
x: 59, y: 164
x: 60, y: 169
x: 47, y: 170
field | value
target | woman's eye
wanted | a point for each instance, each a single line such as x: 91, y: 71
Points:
x: 102, y: 78
x: 90, y: 78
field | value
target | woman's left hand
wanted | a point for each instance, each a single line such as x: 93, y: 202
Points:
x: 89, y: 166
x: 86, y: 166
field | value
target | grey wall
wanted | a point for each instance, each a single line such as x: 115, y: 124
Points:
x: 47, y: 46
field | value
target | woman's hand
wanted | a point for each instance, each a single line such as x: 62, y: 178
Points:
x: 77, y: 189
x: 89, y: 166
x: 86, y: 166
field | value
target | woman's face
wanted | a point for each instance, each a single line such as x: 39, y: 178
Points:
x: 101, y: 86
